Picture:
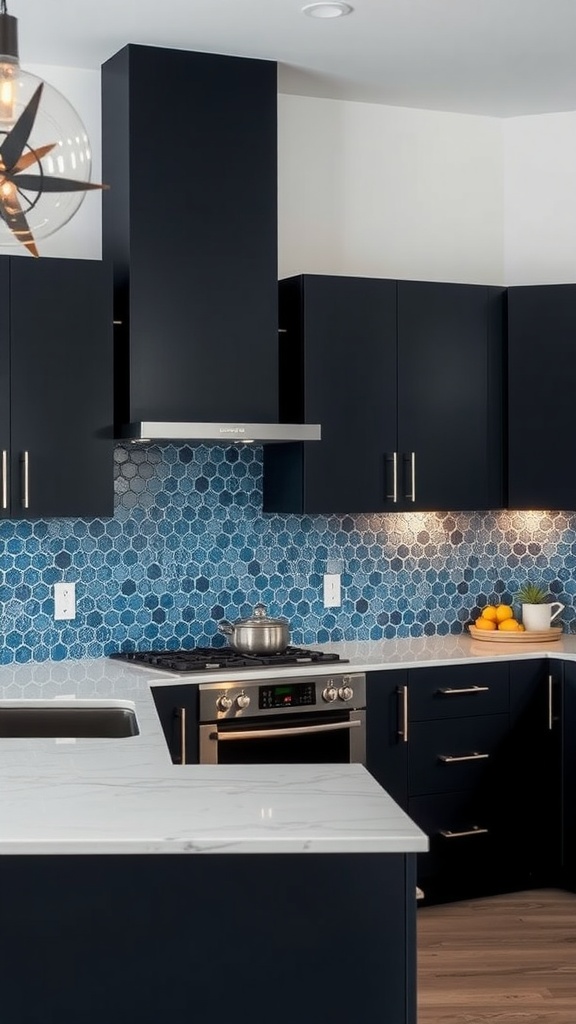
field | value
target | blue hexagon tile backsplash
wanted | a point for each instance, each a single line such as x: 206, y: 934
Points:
x: 189, y: 545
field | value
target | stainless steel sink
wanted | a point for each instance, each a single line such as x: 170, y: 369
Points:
x: 67, y: 719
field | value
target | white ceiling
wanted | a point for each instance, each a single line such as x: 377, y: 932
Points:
x: 494, y: 57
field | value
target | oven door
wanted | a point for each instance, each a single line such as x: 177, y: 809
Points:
x: 334, y: 738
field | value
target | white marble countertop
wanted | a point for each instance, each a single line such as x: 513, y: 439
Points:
x: 126, y: 796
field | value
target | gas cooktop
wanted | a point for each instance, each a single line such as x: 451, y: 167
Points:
x: 202, y: 659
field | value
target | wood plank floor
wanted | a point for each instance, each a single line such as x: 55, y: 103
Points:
x: 503, y: 960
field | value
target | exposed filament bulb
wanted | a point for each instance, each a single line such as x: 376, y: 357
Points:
x: 8, y: 89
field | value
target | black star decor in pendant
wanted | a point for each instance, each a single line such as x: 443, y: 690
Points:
x: 17, y: 156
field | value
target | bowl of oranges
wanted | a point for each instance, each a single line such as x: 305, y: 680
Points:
x: 497, y: 622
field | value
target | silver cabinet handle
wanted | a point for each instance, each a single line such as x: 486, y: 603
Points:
x: 394, y: 495
x: 412, y: 496
x: 474, y: 831
x: 452, y: 759
x: 298, y: 730
x: 402, y: 692
x: 448, y: 691
x: 25, y: 488
x: 550, y: 718
x: 4, y: 479
x: 182, y: 735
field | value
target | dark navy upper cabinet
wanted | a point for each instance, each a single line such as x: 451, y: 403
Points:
x: 450, y: 395
x: 337, y: 368
x: 56, y: 409
x: 189, y: 149
x: 541, y: 388
x: 406, y: 380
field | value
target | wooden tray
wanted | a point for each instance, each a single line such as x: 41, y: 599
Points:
x: 532, y: 636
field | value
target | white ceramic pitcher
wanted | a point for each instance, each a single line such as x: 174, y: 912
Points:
x: 540, y: 616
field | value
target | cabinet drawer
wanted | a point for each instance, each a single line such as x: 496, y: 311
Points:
x: 455, y: 754
x: 467, y: 841
x: 458, y: 691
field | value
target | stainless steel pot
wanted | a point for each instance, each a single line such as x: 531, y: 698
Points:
x: 257, y: 635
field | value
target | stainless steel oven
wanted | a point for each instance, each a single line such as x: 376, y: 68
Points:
x: 302, y: 720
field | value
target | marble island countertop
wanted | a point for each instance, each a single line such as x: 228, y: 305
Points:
x: 126, y: 796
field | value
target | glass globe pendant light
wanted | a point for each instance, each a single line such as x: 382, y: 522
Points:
x: 45, y: 160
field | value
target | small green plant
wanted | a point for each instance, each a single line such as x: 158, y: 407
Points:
x: 532, y: 593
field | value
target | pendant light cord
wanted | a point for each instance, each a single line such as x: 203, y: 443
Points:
x: 3, y: 9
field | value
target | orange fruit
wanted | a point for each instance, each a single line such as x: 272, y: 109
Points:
x: 509, y: 625
x: 503, y: 611
x: 489, y: 612
x: 521, y: 628
x: 482, y: 623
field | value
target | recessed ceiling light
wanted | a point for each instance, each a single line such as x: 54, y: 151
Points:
x: 327, y: 10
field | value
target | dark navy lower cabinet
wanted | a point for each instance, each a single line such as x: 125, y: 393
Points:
x: 387, y: 732
x: 177, y: 709
x: 249, y: 939
x: 569, y: 776
x: 483, y: 759
x: 532, y: 815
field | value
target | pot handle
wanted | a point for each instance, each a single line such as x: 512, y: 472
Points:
x: 226, y: 627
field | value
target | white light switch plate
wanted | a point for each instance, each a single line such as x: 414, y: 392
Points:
x: 332, y: 595
x: 64, y: 600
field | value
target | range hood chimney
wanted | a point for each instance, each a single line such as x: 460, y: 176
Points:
x: 189, y: 150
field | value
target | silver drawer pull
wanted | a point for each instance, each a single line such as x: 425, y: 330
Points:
x: 452, y: 759
x: 394, y: 496
x: 4, y: 479
x: 402, y: 692
x: 25, y: 500
x: 550, y: 716
x: 474, y: 831
x: 448, y: 691
x: 183, y: 743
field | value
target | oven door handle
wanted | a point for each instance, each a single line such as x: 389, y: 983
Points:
x: 298, y: 730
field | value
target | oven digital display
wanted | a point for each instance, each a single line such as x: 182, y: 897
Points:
x: 287, y: 695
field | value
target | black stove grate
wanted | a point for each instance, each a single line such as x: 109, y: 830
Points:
x: 203, y: 659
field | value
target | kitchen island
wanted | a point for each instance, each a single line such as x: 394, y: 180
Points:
x: 292, y: 899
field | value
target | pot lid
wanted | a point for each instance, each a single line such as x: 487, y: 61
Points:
x: 260, y: 619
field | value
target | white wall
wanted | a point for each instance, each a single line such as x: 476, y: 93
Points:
x: 540, y: 199
x: 389, y: 192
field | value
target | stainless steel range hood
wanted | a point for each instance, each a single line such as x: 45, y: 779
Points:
x: 221, y: 433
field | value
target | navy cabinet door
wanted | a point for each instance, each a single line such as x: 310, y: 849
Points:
x: 61, y: 388
x: 533, y: 767
x: 450, y: 395
x: 4, y: 387
x: 541, y: 387
x: 387, y: 732
x: 177, y: 709
x: 337, y: 368
x: 569, y: 776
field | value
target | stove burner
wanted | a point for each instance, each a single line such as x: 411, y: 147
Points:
x: 202, y: 659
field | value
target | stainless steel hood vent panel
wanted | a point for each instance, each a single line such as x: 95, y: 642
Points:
x: 222, y: 433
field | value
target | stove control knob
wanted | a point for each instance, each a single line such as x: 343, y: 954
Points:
x: 345, y: 693
x: 329, y: 693
x: 223, y: 703
x: 243, y: 700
